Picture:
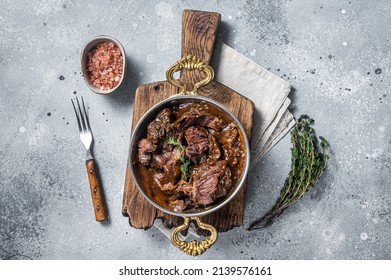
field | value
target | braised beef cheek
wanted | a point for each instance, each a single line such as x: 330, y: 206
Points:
x: 192, y: 155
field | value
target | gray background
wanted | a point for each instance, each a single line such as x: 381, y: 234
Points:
x: 328, y: 50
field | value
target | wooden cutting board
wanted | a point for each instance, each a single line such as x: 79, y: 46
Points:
x: 198, y: 37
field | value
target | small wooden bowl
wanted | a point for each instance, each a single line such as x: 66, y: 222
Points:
x: 88, y: 47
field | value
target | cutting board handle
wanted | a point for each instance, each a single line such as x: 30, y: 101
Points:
x: 199, y: 30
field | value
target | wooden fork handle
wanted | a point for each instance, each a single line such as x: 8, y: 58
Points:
x: 96, y: 191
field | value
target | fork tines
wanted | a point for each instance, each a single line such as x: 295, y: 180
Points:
x: 81, y: 115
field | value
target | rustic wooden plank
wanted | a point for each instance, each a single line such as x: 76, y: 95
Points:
x: 198, y: 37
x: 199, y: 30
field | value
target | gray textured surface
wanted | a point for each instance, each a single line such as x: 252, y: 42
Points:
x: 328, y: 50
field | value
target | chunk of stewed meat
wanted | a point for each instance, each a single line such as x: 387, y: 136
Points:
x: 164, y: 115
x: 231, y: 144
x: 169, y: 164
x: 225, y: 180
x: 197, y: 144
x: 173, y: 170
x: 163, y: 181
x: 168, y: 187
x: 214, y: 152
x: 178, y: 205
x: 194, y: 117
x: 201, y: 145
x: 145, y: 148
x: 209, y: 183
x: 156, y: 130
x: 159, y: 161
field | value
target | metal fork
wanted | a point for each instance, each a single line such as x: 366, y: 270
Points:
x: 93, y: 176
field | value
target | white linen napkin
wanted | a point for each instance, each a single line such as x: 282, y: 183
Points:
x: 268, y: 92
x: 272, y: 119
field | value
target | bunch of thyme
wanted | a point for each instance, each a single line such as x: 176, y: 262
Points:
x: 307, y: 165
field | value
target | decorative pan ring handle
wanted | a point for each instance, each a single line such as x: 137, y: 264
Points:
x: 194, y: 247
x: 190, y: 63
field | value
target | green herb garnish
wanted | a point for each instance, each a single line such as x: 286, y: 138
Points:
x: 185, y: 162
x: 307, y: 165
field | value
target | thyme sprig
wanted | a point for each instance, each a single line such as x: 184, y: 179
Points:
x: 307, y: 165
x: 185, y: 162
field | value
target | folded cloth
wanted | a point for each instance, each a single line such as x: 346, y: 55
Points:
x: 258, y: 147
x: 283, y: 127
x: 268, y: 92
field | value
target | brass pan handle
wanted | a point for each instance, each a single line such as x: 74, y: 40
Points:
x: 194, y: 247
x: 190, y: 63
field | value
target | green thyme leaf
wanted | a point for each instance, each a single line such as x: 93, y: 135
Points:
x: 174, y: 142
x: 184, y: 170
x: 171, y: 140
x: 308, y: 162
x: 185, y: 163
